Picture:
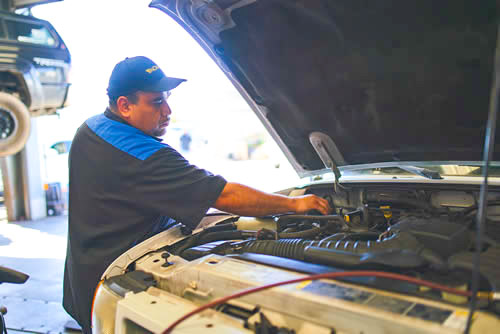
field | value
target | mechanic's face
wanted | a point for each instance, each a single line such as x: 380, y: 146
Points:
x: 151, y: 113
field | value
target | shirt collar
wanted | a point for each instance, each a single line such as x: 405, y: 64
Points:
x: 111, y: 115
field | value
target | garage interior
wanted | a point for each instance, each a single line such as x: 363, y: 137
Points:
x: 33, y: 236
x: 35, y: 306
x: 30, y: 241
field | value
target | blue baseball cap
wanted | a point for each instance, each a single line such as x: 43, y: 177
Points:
x: 139, y: 74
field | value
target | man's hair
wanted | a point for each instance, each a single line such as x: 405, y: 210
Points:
x: 132, y: 97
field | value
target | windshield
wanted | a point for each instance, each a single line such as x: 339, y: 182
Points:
x: 443, y: 170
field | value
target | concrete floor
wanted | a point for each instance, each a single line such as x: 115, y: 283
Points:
x: 37, y: 248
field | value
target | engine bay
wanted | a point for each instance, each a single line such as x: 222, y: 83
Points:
x: 424, y: 232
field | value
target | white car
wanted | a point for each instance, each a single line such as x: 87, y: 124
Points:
x: 384, y: 106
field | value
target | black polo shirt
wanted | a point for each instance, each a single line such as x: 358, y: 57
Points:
x: 124, y: 187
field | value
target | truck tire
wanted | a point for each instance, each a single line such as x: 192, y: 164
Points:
x: 14, y: 124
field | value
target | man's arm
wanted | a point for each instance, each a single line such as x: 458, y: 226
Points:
x: 245, y: 201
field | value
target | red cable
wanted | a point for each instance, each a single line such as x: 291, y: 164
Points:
x: 316, y: 277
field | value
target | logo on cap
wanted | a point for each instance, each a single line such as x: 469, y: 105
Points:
x: 152, y: 69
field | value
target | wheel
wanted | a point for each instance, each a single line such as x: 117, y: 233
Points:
x: 14, y: 124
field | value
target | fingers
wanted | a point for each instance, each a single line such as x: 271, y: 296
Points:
x: 323, y: 206
x: 313, y: 202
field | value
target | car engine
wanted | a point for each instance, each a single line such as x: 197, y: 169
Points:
x: 426, y: 233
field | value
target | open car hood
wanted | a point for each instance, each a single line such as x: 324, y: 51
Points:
x: 346, y: 82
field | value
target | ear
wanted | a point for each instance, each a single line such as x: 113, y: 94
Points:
x: 124, y: 107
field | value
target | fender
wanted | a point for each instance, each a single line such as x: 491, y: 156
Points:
x: 29, y: 87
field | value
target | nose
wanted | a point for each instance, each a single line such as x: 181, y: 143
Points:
x: 165, y: 110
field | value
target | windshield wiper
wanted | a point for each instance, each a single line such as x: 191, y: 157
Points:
x: 427, y: 173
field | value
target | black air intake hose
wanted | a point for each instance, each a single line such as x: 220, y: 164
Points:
x: 414, y: 241
x: 288, y: 248
x: 401, y: 250
x: 396, y: 241
x: 293, y: 248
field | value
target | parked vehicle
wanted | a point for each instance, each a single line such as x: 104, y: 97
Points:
x: 382, y: 107
x: 34, y: 74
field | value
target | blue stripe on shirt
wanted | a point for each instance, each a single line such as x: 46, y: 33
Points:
x: 124, y: 137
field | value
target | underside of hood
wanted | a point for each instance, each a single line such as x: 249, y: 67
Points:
x: 372, y: 81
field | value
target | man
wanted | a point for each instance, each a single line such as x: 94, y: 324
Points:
x: 126, y: 185
x: 185, y: 141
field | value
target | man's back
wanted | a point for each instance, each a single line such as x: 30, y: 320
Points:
x: 98, y: 223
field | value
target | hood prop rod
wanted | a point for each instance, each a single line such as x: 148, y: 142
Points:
x: 329, y: 154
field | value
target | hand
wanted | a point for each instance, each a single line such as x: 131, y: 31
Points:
x: 307, y: 203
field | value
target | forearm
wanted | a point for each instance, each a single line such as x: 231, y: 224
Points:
x: 245, y: 201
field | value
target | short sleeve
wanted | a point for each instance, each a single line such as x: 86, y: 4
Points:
x: 169, y: 185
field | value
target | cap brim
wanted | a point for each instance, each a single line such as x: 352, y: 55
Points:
x: 165, y: 84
